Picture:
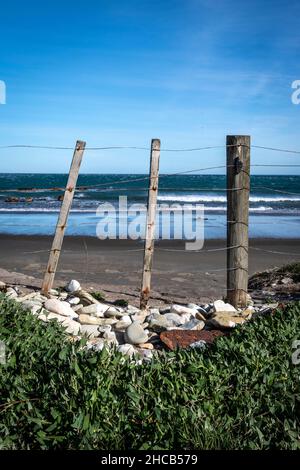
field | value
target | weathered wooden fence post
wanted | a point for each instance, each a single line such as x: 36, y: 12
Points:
x: 238, y: 188
x: 63, y: 217
x: 150, y: 223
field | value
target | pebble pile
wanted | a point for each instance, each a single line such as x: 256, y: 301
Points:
x: 133, y: 332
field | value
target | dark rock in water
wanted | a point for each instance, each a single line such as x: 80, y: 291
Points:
x: 29, y: 199
x: 184, y: 338
x: 60, y: 198
x: 12, y: 199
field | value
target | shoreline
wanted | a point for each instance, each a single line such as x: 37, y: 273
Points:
x: 114, y: 266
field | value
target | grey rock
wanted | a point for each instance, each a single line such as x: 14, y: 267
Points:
x: 181, y: 310
x: 73, y: 286
x: 123, y: 323
x: 176, y: 319
x: 135, y: 334
x: 97, y: 310
x: 160, y: 324
x: 90, y: 330
x: 73, y: 300
x: 198, y: 345
x: 166, y: 309
x: 193, y: 324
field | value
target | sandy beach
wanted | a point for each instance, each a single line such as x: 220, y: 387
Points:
x: 114, y: 266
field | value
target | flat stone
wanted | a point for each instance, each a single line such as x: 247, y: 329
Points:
x: 126, y: 349
x: 176, y: 319
x: 180, y: 310
x: 72, y: 326
x: 53, y: 292
x: 73, y: 286
x: 221, y: 306
x: 154, y: 310
x: 89, y: 320
x: 29, y: 304
x: 146, y: 346
x: 97, y: 310
x: 60, y: 307
x: 200, y: 316
x: 226, y: 320
x: 123, y: 324
x: 160, y: 324
x: 107, y: 321
x: 90, y: 330
x: 184, y: 338
x: 135, y: 334
x: 193, y: 324
x: 131, y: 309
x: 193, y: 306
x: 113, y: 312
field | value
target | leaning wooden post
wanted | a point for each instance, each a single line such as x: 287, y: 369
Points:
x: 150, y: 223
x: 63, y: 217
x: 238, y: 188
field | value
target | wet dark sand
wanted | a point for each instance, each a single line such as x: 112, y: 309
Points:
x: 114, y: 268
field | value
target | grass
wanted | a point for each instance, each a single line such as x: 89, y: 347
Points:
x: 98, y: 296
x: 243, y: 393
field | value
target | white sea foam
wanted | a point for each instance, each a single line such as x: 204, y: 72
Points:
x: 213, y: 198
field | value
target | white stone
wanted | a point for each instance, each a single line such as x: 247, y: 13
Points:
x: 123, y: 323
x: 73, y: 286
x: 110, y: 336
x: 126, y: 349
x: 90, y: 330
x: 181, y: 310
x: 135, y: 334
x: 174, y: 318
x: 131, y: 309
x: 2, y: 285
x: 154, y: 310
x: 60, y: 307
x: 220, y: 306
x: 73, y: 300
x: 97, y: 310
x: 36, y: 309
x: 11, y: 293
x: 53, y: 292
x: 113, y: 312
x: 72, y: 326
x: 89, y: 320
x: 193, y: 306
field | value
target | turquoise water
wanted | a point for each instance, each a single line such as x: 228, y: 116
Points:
x: 274, y: 202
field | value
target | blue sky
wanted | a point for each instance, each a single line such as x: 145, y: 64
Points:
x: 115, y: 72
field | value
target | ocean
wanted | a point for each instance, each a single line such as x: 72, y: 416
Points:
x: 274, y: 202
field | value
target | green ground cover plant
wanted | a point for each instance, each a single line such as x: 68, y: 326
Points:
x: 243, y: 393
